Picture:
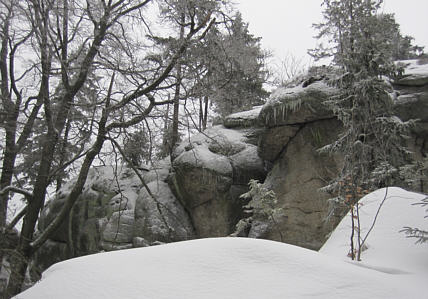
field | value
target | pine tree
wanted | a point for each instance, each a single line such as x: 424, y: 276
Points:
x: 414, y: 232
x: 372, y: 141
x: 240, y: 70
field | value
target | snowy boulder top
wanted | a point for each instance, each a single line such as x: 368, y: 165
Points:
x: 215, y: 149
x: 297, y: 105
x: 415, y: 73
x: 210, y: 150
x: 243, y: 119
x: 412, y: 100
x: 304, y: 102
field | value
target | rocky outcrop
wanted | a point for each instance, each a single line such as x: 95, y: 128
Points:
x: 298, y: 173
x: 297, y: 124
x: 198, y: 194
x: 115, y: 211
x: 211, y: 170
x: 415, y: 75
x: 297, y: 105
x: 412, y: 103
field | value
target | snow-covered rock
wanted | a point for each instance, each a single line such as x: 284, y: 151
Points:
x: 161, y: 217
x: 114, y: 212
x: 415, y: 74
x: 297, y: 124
x: 243, y: 119
x: 210, y: 171
x: 412, y: 96
x: 297, y: 105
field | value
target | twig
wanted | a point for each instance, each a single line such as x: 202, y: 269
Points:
x: 375, y: 218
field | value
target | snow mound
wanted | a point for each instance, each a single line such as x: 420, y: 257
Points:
x: 215, y: 268
x: 388, y: 249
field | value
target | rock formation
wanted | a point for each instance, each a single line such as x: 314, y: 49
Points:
x: 115, y: 211
x: 197, y: 195
x: 211, y: 170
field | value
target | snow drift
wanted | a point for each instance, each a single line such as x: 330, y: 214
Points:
x: 253, y: 268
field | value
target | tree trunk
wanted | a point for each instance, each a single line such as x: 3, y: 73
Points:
x: 205, y: 119
x: 6, y: 180
x: 203, y: 113
x: 63, y: 153
x: 176, y: 100
x: 7, y: 173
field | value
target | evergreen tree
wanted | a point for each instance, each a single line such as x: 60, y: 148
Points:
x: 240, y: 70
x: 372, y: 141
x: 225, y: 70
x: 389, y: 31
x: 414, y: 232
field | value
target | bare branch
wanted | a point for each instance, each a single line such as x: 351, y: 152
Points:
x: 28, y: 195
x: 144, y: 91
x: 16, y: 219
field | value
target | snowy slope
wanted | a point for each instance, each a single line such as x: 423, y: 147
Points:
x: 388, y: 248
x: 249, y: 268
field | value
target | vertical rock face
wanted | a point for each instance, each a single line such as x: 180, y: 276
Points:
x: 296, y: 125
x: 412, y: 103
x: 296, y: 177
x: 160, y: 218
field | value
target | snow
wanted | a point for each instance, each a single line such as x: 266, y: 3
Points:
x: 201, y: 156
x: 392, y: 267
x: 415, y: 73
x: 247, y: 115
x: 388, y: 248
x: 414, y: 67
x: 291, y: 93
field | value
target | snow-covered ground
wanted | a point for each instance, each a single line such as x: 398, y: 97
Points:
x: 392, y: 266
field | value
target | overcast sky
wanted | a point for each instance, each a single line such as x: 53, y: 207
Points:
x: 286, y: 25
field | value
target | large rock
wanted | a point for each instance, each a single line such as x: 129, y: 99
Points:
x: 297, y: 124
x: 412, y: 97
x: 199, y: 194
x: 274, y: 140
x: 296, y: 177
x: 416, y: 73
x: 412, y: 103
x: 297, y: 105
x: 104, y: 206
x: 114, y: 212
x: 159, y: 216
x: 245, y: 119
x: 210, y: 172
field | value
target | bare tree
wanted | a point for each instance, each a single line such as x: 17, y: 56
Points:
x: 67, y: 52
x: 288, y: 69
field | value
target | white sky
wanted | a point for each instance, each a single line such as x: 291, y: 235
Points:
x: 286, y: 25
